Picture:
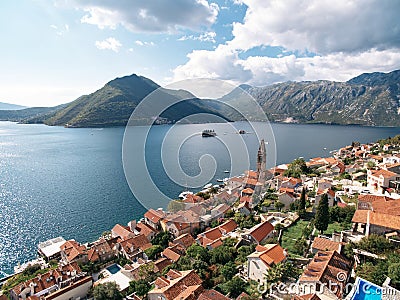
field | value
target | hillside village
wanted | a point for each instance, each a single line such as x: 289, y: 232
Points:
x: 316, y: 229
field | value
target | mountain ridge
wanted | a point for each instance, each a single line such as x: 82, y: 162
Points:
x: 371, y: 99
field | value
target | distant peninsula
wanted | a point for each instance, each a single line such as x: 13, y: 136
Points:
x: 370, y: 99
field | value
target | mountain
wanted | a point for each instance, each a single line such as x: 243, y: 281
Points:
x: 9, y: 106
x: 369, y: 99
x: 28, y: 115
x: 113, y: 104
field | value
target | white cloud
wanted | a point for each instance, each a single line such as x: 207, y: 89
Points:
x: 109, y: 44
x: 60, y: 30
x: 142, y: 43
x: 224, y: 63
x: 205, y: 37
x: 349, y: 38
x: 319, y: 25
x: 148, y: 15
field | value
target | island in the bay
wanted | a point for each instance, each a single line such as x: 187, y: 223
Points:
x: 327, y: 228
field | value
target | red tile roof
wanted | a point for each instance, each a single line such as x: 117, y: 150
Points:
x: 73, y: 250
x: 378, y: 219
x: 380, y: 204
x: 186, y: 240
x: 325, y: 267
x: 51, y: 278
x: 134, y: 243
x: 178, y: 285
x: 228, y: 226
x: 154, y: 215
x: 326, y: 244
x: 146, y: 230
x: 272, y: 254
x: 383, y: 173
x: 122, y: 231
x: 212, y: 295
x: 211, y: 236
x: 171, y: 254
x: 260, y: 231
x: 161, y: 263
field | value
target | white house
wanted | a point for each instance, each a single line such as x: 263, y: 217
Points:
x: 379, y: 179
x: 286, y: 198
x: 260, y: 261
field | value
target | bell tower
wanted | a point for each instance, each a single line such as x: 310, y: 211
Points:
x: 261, y: 161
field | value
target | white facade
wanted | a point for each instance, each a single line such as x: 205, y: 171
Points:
x: 256, y: 269
x: 78, y: 292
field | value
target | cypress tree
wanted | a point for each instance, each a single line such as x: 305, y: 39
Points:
x: 302, y: 204
x: 322, y: 215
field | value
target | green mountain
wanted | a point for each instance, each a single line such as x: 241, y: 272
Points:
x: 369, y: 99
x: 28, y: 115
x: 113, y: 104
x: 9, y: 106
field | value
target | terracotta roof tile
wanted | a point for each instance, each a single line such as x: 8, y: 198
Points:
x: 325, y: 244
x: 260, y: 231
x: 212, y: 295
x: 145, y: 229
x: 122, y: 231
x: 171, y: 254
x: 325, y: 267
x: 378, y: 219
x: 186, y: 240
x: 73, y: 249
x: 384, y: 174
x: 154, y: 215
x: 270, y: 254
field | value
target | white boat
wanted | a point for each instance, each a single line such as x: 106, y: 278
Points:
x: 184, y: 194
x: 226, y: 171
x: 220, y: 180
x: 208, y: 185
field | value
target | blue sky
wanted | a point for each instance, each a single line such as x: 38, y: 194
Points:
x: 53, y: 51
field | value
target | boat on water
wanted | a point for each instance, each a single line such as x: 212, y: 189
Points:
x: 220, y: 180
x: 226, y: 171
x: 208, y: 185
x: 241, y: 131
x: 208, y: 133
x: 184, y: 194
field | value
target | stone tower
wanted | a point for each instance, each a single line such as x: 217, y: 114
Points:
x: 261, y: 161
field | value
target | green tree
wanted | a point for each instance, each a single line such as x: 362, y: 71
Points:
x: 370, y: 164
x: 302, y: 204
x: 140, y: 287
x: 229, y: 270
x: 244, y: 251
x: 279, y: 205
x: 196, y: 251
x: 107, y: 291
x: 153, y: 251
x: 234, y: 287
x: 322, y: 215
x: 300, y: 246
x: 394, y: 273
x: 282, y: 272
x: 162, y: 238
x: 375, y: 243
x: 222, y: 255
x: 296, y: 168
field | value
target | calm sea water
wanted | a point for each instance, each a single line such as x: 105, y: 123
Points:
x: 70, y: 182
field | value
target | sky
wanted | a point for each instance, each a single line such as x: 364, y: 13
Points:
x: 53, y: 51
